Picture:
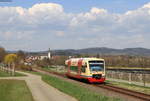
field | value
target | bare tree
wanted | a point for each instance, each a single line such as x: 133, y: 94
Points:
x: 2, y: 54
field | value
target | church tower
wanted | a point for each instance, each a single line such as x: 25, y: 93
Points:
x: 49, y: 54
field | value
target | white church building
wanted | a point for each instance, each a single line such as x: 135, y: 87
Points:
x: 48, y: 56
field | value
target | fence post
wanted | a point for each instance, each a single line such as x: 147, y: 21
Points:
x: 13, y: 69
x: 130, y: 75
x: 143, y: 78
x: 8, y: 69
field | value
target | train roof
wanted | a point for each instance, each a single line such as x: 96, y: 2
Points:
x: 85, y: 59
x: 74, y: 61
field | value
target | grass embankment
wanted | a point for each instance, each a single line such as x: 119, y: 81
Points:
x: 119, y: 84
x: 131, y: 86
x: 80, y: 93
x: 5, y: 74
x: 14, y: 90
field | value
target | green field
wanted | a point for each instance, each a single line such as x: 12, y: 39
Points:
x: 80, y: 93
x: 5, y: 74
x: 14, y: 90
x: 131, y: 86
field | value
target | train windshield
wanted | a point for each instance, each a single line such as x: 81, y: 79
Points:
x: 96, y: 65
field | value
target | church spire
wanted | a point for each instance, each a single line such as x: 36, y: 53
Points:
x: 49, y: 54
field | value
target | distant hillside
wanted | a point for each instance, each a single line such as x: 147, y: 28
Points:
x: 104, y: 51
x: 96, y: 50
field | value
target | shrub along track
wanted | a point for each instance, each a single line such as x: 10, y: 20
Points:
x: 128, y: 94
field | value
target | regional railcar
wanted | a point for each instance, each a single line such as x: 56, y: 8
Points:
x: 90, y: 69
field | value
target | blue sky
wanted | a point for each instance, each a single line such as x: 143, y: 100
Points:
x: 114, y: 6
x: 35, y: 25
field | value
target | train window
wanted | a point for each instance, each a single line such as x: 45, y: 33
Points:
x: 96, y: 65
x: 74, y: 68
x: 97, y: 62
x: 83, y: 69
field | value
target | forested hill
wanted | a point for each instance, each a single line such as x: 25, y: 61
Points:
x: 95, y: 51
x: 105, y: 51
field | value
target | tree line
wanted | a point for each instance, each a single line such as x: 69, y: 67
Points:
x: 126, y: 61
x: 111, y: 60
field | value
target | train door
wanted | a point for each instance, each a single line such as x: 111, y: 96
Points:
x: 83, y: 69
x: 69, y: 64
x: 79, y: 66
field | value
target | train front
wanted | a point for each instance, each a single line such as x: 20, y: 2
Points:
x: 96, y: 71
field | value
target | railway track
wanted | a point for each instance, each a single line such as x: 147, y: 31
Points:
x: 139, y: 95
x: 135, y: 94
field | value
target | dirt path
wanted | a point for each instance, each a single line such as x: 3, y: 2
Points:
x: 41, y: 91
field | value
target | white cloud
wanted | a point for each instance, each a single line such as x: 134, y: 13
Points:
x: 146, y: 5
x: 60, y: 33
x: 95, y: 10
x: 48, y: 22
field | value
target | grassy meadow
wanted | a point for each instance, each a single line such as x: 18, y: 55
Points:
x: 14, y: 90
